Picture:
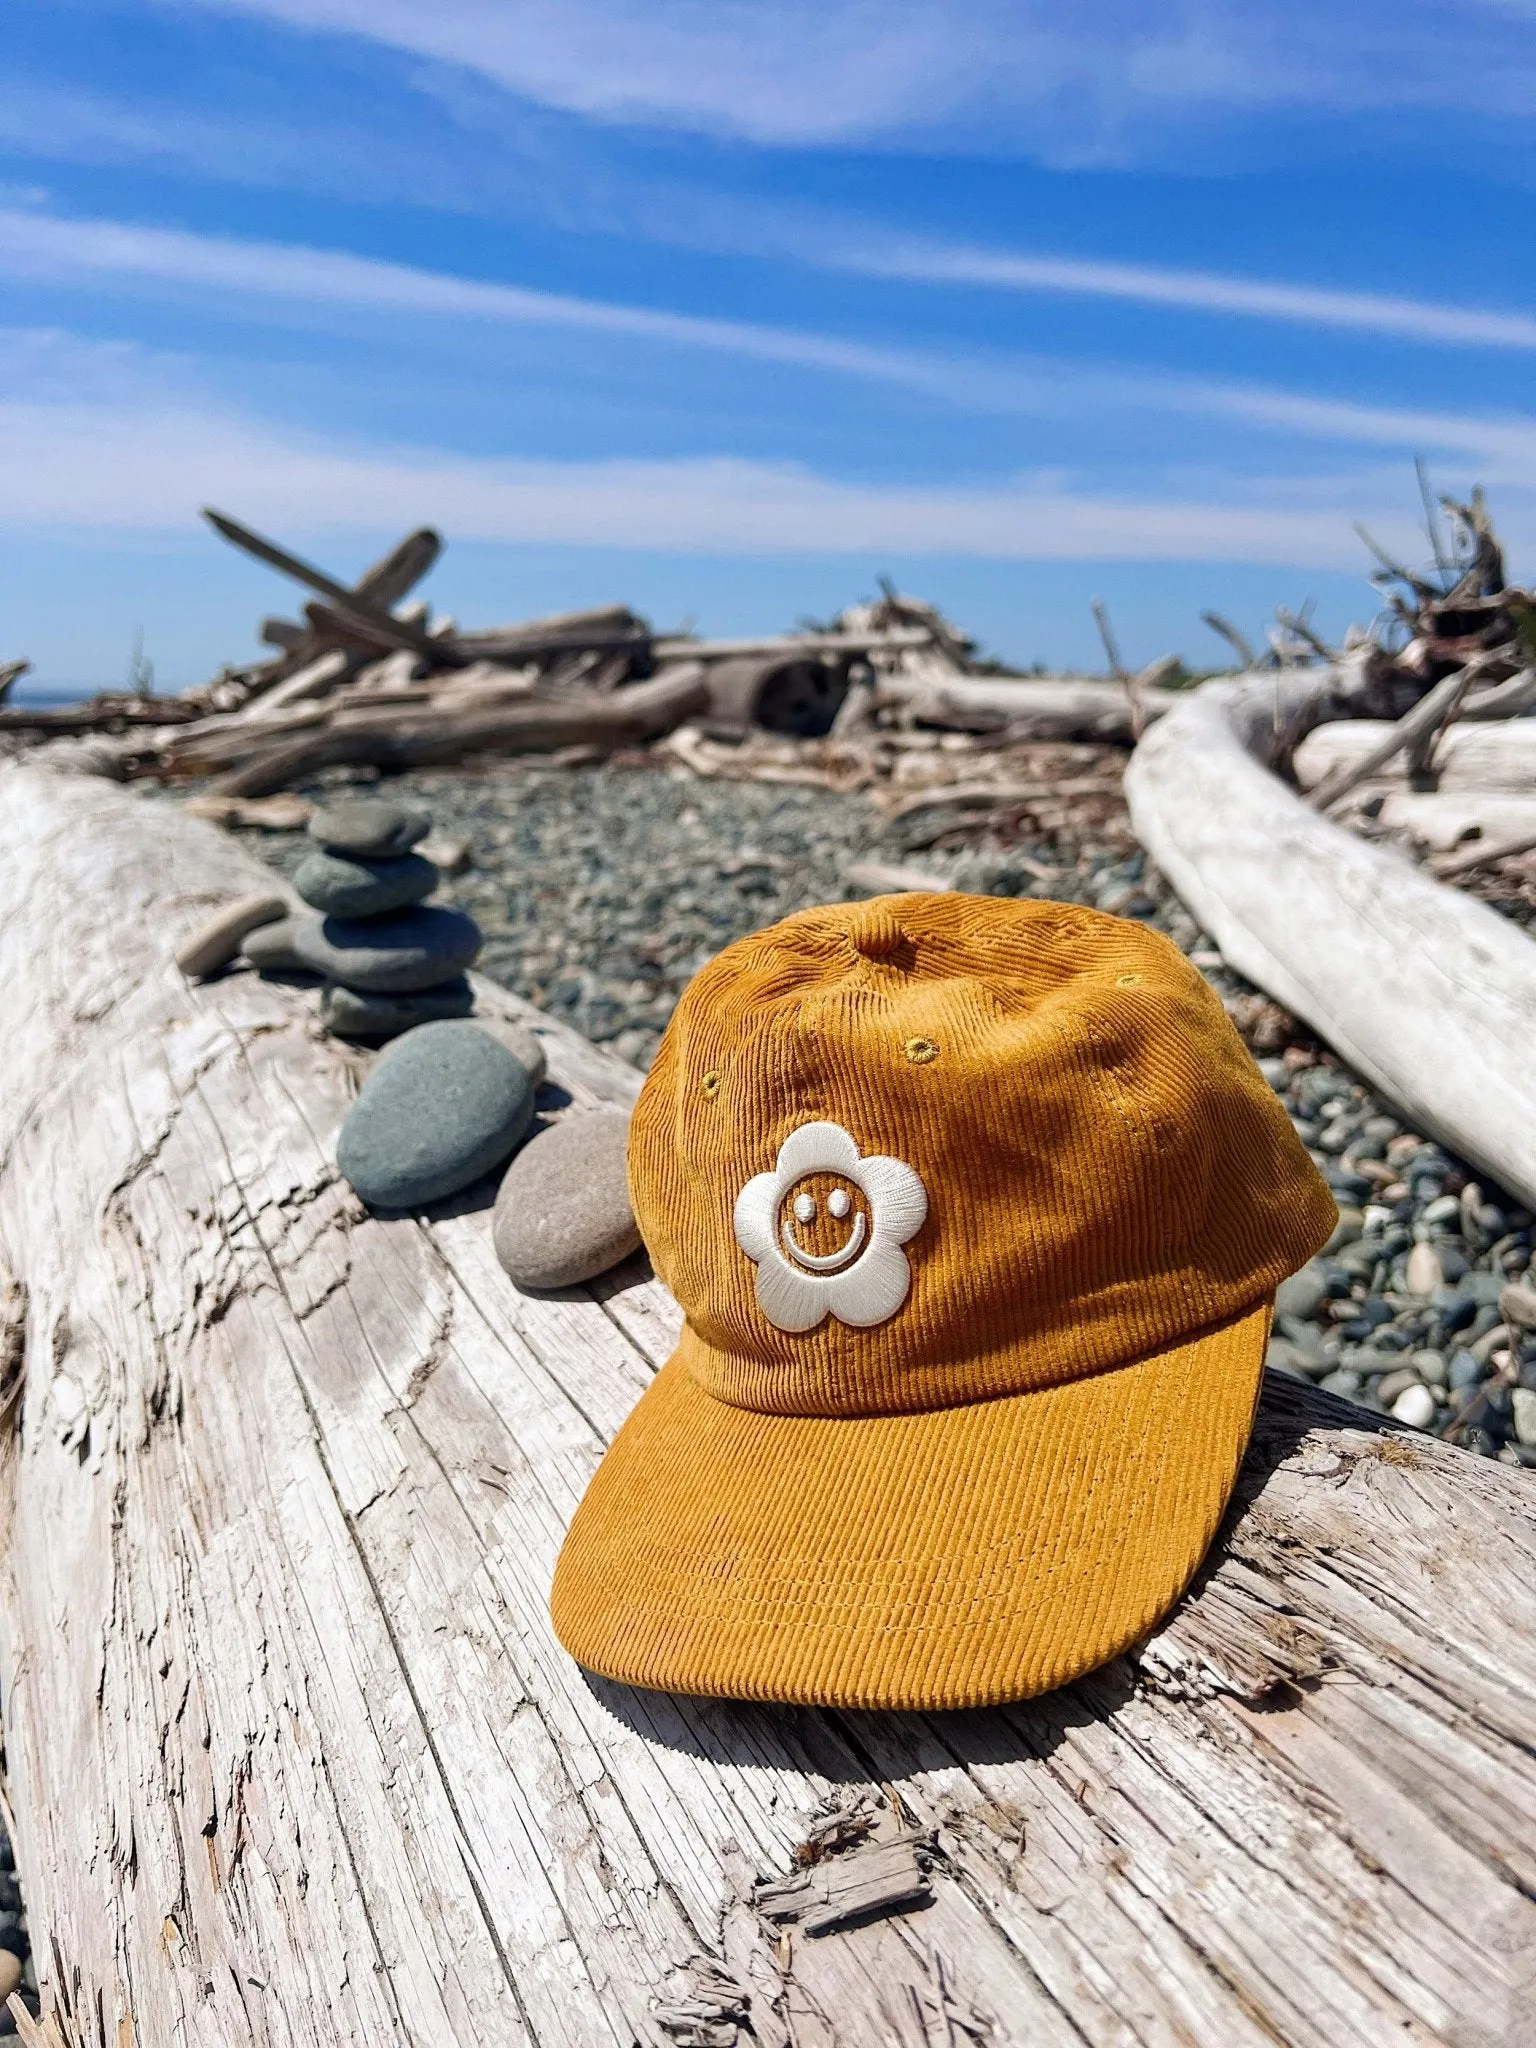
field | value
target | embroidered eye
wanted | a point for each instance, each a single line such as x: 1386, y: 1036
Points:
x: 839, y: 1202
x: 920, y: 1051
x: 1128, y: 980
x: 710, y: 1085
x: 805, y: 1207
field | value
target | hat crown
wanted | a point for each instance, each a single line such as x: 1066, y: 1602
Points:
x: 927, y: 1150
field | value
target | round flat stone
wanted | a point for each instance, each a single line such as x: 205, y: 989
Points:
x: 350, y: 1013
x: 391, y: 955
x: 521, y: 1043
x: 215, y: 943
x: 365, y: 825
x: 563, y: 1212
x: 445, y: 1105
x: 354, y: 885
x: 273, y: 948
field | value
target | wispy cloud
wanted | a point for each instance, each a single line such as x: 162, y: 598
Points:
x: 1018, y: 76
x: 145, y: 469
x: 42, y: 246
x: 1458, y: 325
x: 39, y: 246
x: 104, y: 436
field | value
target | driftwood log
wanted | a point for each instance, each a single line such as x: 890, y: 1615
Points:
x: 1427, y: 994
x: 393, y: 734
x: 295, y: 1760
x: 1468, y: 757
x: 1442, y: 819
x: 1029, y: 707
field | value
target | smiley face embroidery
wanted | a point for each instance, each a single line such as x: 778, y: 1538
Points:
x: 825, y: 1229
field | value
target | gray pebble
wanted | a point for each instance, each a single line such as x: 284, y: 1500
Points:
x: 1318, y: 1085
x: 1349, y: 1226
x: 1356, y: 1262
x: 344, y: 885
x: 1484, y: 1288
x: 1304, y: 1339
x: 1486, y: 1319
x: 350, y: 1013
x: 1430, y: 1367
x: 524, y: 1047
x: 1303, y: 1294
x: 449, y: 854
x: 1391, y: 1384
x: 367, y: 826
x: 1463, y: 1371
x: 1282, y: 1356
x: 393, y: 955
x: 443, y: 1106
x: 214, y: 944
x: 274, y: 948
x: 1342, y: 1381
x: 563, y: 1213
x: 523, y: 1044
x: 1495, y: 1338
x: 1455, y: 1309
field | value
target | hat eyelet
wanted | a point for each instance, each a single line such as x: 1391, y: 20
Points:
x: 709, y: 1086
x: 920, y: 1051
x: 1129, y: 980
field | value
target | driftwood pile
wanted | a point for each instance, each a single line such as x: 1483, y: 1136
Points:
x: 1269, y: 802
x: 1450, y: 776
x: 365, y: 678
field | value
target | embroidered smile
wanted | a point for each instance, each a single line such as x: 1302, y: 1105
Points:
x: 805, y: 1211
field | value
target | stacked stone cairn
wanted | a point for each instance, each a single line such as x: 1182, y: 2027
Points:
x: 390, y: 959
x: 450, y: 1098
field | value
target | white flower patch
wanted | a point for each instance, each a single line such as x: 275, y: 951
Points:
x: 874, y: 1206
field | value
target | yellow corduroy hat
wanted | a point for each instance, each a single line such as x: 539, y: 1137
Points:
x: 975, y: 1210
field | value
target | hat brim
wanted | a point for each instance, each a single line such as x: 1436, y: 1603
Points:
x: 956, y: 1557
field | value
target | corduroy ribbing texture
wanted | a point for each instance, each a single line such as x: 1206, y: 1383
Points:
x: 1011, y: 1476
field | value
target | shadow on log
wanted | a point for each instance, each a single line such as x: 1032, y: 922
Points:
x: 295, y: 1758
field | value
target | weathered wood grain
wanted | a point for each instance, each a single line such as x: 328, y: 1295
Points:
x: 296, y: 1760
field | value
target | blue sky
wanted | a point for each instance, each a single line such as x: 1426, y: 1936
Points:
x: 725, y: 307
